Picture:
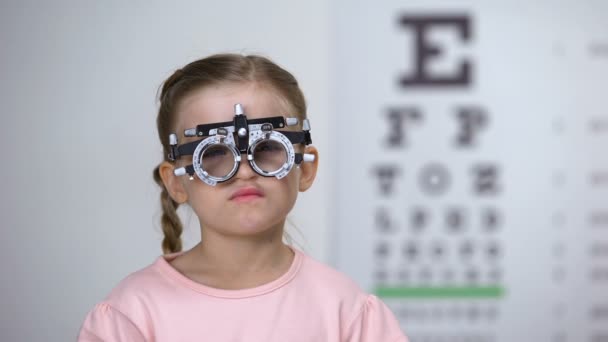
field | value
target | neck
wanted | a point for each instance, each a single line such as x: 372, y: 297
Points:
x: 242, y: 254
x: 236, y: 261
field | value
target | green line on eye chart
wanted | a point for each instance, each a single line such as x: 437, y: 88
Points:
x: 482, y: 292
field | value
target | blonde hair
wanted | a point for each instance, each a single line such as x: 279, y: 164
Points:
x: 213, y: 70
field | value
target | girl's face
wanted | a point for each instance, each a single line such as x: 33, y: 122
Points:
x: 247, y: 203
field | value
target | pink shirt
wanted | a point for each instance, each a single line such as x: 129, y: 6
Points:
x: 310, y: 302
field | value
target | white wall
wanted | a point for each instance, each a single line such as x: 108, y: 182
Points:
x: 78, y: 81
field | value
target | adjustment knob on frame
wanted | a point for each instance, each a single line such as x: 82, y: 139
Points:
x: 308, y: 158
x: 190, y: 132
x: 292, y: 121
x: 172, y: 139
x: 306, y: 125
x: 238, y: 109
x: 180, y: 171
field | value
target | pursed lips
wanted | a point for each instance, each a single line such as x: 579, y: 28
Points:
x: 246, y: 194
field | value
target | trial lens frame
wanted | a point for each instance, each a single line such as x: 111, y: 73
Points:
x: 240, y: 135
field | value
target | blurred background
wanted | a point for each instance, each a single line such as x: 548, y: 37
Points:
x: 461, y: 178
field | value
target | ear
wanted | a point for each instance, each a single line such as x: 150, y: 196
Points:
x: 172, y: 182
x: 308, y: 170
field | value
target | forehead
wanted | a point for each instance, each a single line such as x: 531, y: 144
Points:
x: 216, y: 104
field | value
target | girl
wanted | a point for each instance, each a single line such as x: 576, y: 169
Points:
x: 236, y: 145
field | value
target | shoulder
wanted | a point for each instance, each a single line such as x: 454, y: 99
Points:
x: 146, y: 284
x: 135, y: 283
x: 363, y: 316
x: 374, y: 322
x: 326, y: 276
x: 331, y: 286
x: 136, y: 293
x: 123, y: 314
x: 104, y: 323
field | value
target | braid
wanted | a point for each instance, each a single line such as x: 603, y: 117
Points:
x: 170, y: 222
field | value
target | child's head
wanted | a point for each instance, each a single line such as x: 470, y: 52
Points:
x: 203, y: 92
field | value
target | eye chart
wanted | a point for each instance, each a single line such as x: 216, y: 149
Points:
x: 472, y: 172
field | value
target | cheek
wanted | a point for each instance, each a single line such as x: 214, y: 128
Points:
x: 294, y: 177
x: 204, y: 203
x: 290, y: 187
x: 198, y: 193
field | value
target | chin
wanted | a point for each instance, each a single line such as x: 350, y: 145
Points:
x: 251, y: 225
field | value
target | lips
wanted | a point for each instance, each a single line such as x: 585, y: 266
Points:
x: 246, y: 194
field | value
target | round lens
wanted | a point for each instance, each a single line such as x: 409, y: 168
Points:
x: 217, y: 160
x: 269, y: 155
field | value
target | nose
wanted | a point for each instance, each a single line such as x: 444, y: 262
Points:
x: 245, y: 170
